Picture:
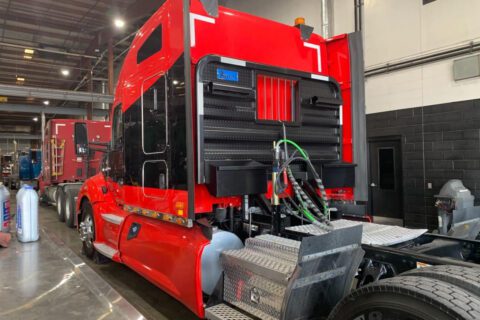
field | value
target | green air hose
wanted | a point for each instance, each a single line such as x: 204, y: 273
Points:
x: 318, y: 181
x: 304, y: 155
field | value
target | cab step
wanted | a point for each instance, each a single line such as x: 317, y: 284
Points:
x: 224, y: 312
x: 105, y: 249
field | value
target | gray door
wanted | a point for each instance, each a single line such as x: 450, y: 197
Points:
x: 386, y: 178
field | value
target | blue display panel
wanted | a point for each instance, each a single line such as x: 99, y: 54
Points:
x: 227, y: 75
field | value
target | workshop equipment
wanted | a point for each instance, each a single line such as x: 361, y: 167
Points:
x: 457, y: 215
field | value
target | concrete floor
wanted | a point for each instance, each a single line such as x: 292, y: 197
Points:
x: 150, y: 301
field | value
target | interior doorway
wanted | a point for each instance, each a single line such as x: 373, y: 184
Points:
x: 386, y: 188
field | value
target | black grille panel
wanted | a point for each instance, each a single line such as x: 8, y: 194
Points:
x: 228, y: 128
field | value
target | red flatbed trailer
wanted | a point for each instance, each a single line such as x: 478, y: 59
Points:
x: 69, y: 159
x: 193, y: 197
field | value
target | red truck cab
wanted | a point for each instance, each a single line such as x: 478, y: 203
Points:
x: 200, y: 99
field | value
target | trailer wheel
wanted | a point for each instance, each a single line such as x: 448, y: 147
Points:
x: 87, y: 230
x: 60, y: 202
x: 466, y: 278
x: 408, y: 298
x: 70, y: 208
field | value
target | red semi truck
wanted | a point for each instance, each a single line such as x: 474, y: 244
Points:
x: 237, y: 143
x: 70, y: 157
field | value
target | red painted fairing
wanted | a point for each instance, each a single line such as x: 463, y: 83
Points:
x: 339, y: 68
x: 242, y: 36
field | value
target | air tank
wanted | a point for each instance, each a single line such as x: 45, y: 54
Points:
x: 211, y: 267
x: 4, y: 209
x: 27, y: 214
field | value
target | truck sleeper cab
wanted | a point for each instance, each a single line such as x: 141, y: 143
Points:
x: 197, y: 194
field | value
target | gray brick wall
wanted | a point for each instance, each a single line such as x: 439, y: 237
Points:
x: 439, y: 143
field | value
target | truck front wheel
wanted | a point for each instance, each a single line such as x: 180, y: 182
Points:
x: 408, y: 298
x: 87, y: 230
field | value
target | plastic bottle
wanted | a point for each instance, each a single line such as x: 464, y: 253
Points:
x: 27, y: 214
x: 4, y: 209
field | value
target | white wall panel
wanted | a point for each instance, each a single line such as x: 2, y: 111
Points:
x: 439, y: 86
x: 391, y: 30
x: 284, y: 11
x: 404, y: 88
x: 445, y: 23
x: 395, y: 30
x: 343, y: 16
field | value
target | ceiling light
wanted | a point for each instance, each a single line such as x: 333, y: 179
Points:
x: 29, y: 51
x: 20, y: 79
x: 46, y: 102
x: 119, y: 23
x: 175, y: 82
x: 27, y: 57
x: 35, y: 119
x: 65, y: 72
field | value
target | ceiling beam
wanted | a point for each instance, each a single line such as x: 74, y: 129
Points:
x: 26, y: 108
x: 54, y: 94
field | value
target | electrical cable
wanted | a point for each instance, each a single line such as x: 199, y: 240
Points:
x: 318, y: 219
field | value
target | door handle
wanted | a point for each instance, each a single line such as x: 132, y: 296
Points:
x: 373, y: 185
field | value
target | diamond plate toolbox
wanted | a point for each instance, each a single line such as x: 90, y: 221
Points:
x: 256, y: 277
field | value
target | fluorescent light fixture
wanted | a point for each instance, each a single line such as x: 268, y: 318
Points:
x: 65, y: 72
x: 119, y: 23
x: 21, y: 79
x: 35, y: 119
x: 46, y: 102
x: 27, y: 57
x: 29, y: 51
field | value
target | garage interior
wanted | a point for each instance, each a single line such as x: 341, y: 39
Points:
x: 401, y: 100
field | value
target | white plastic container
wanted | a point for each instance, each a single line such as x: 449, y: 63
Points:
x: 27, y: 214
x: 5, y: 216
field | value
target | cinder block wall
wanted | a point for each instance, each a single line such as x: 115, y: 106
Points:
x: 439, y: 143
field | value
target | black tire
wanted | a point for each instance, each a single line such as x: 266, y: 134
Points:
x: 412, y: 298
x: 60, y: 202
x: 70, y: 208
x: 89, y: 222
x: 87, y: 245
x: 466, y: 278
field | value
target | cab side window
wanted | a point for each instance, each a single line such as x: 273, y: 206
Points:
x: 117, y: 128
x: 115, y: 156
x: 154, y: 117
x: 151, y: 46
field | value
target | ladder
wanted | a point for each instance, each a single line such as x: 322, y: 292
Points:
x: 58, y: 153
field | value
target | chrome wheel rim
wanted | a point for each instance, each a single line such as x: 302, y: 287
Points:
x: 87, y: 231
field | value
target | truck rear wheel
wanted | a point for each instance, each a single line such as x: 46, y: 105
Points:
x: 408, y: 298
x: 463, y: 277
x: 70, y: 208
x: 60, y: 202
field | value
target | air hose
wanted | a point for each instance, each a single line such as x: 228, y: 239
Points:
x: 306, y: 203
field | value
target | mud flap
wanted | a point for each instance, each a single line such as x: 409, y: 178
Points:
x: 326, y: 268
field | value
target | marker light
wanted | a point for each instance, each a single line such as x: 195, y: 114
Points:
x: 299, y: 20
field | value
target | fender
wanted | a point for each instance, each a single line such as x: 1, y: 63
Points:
x: 93, y: 191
